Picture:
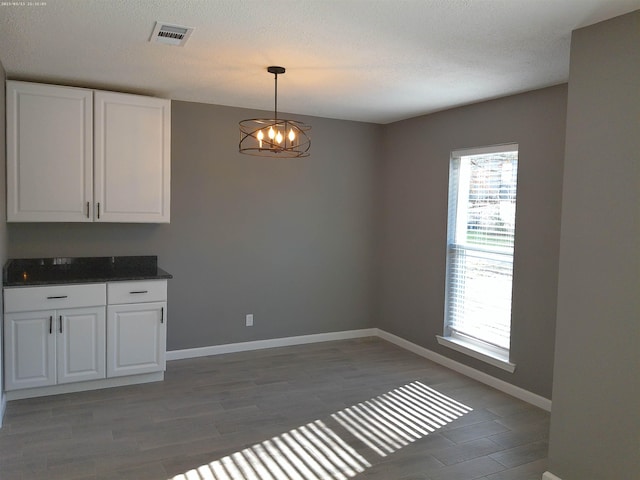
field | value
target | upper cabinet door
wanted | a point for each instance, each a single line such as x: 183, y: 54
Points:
x: 49, y: 153
x: 132, y: 158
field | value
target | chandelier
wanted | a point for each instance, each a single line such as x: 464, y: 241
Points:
x: 274, y: 137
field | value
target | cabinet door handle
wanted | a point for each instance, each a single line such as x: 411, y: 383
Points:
x: 60, y: 323
x: 139, y: 291
x: 50, y: 324
x: 161, y: 314
x: 98, y: 209
x: 57, y: 296
x: 87, y: 209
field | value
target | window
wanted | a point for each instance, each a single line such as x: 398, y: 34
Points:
x: 480, y: 235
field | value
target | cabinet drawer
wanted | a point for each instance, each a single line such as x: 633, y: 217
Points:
x: 136, y: 292
x: 25, y: 299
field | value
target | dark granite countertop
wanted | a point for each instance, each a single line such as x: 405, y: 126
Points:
x: 22, y: 272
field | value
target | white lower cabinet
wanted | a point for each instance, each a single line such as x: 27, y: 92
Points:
x: 56, y: 336
x: 136, y: 338
x: 54, y: 347
x: 81, y: 345
x: 136, y: 327
x: 59, y: 345
x: 30, y: 350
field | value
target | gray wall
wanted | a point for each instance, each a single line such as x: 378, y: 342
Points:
x: 595, y: 425
x: 412, y: 224
x: 289, y: 240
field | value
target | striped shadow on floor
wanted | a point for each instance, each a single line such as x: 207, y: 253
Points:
x: 315, y: 452
x: 400, y: 417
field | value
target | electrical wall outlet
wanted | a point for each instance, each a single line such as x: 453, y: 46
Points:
x: 249, y: 320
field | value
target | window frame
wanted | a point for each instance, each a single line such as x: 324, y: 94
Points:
x: 486, y: 352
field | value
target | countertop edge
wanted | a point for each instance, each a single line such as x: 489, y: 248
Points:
x: 131, y: 268
x: 160, y: 276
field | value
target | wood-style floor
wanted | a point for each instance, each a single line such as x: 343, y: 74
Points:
x: 296, y: 413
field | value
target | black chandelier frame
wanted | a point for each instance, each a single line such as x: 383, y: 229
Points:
x: 255, y: 138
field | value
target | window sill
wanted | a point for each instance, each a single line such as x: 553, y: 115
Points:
x: 478, y: 352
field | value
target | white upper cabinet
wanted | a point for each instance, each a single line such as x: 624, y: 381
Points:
x: 49, y: 153
x: 79, y: 155
x: 132, y: 158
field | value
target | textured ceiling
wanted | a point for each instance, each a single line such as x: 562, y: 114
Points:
x: 369, y: 60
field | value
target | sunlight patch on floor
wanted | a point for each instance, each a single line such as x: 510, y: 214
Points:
x: 395, y: 419
x: 310, y: 452
x: 315, y: 452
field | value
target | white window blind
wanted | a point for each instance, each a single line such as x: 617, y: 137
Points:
x: 481, y: 228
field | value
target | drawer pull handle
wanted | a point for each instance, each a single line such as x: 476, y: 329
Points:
x: 140, y: 291
x: 50, y: 324
x: 60, y: 323
x: 57, y: 296
x: 162, y: 315
x: 87, y: 209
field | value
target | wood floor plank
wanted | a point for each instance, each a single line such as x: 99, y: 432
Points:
x: 249, y: 405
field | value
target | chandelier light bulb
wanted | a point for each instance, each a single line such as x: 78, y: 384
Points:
x: 260, y: 137
x: 292, y: 135
x: 279, y: 137
x: 272, y: 133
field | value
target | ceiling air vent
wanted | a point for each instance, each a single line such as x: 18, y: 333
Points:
x: 176, y: 35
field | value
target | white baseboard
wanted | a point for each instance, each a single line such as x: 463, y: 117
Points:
x: 482, y: 377
x: 549, y: 476
x: 271, y: 343
x: 485, y: 378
